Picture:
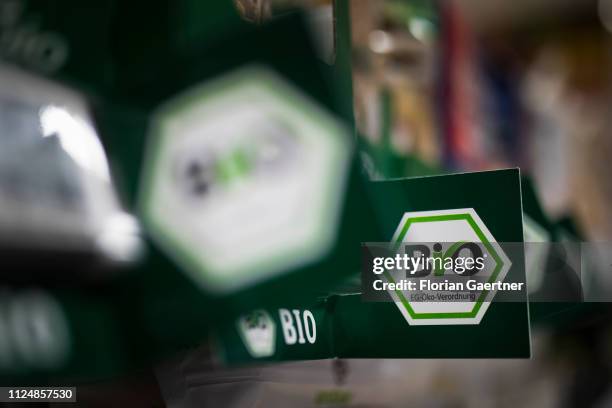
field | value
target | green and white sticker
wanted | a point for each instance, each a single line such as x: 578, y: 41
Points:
x: 243, y: 179
x: 291, y: 333
x: 258, y: 333
x: 448, y: 231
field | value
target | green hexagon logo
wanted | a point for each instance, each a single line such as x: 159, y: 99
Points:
x: 243, y: 179
x: 444, y: 229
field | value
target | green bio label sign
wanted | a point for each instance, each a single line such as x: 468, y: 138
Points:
x: 288, y: 333
x: 243, y: 179
x: 447, y: 235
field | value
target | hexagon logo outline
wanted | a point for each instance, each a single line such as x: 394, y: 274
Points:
x: 275, y: 90
x: 502, y: 266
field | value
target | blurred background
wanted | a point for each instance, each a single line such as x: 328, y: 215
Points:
x: 124, y: 226
x: 481, y: 85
